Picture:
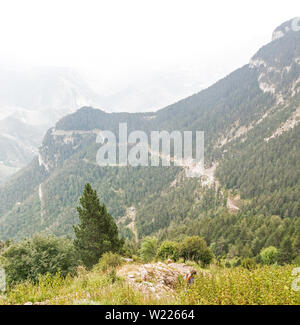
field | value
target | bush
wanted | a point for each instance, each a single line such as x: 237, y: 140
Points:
x: 148, y: 249
x: 227, y: 265
x: 234, y: 262
x: 195, y: 249
x: 109, y: 260
x: 168, y: 249
x: 269, y: 255
x: 297, y: 260
x: 206, y: 257
x: 113, y: 276
x: 41, y: 255
x: 248, y: 263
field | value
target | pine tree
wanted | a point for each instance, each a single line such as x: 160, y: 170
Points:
x: 97, y: 232
x: 296, y: 244
x: 286, y: 252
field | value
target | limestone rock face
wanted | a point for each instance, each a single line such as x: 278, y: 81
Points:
x: 292, y: 25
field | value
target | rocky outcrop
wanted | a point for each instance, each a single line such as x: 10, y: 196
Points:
x: 292, y: 25
x: 58, y: 145
x: 158, y: 279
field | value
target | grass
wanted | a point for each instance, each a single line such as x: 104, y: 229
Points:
x: 233, y: 286
x: 94, y: 287
x: 267, y: 285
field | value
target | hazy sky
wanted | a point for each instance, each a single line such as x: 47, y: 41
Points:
x: 122, y: 37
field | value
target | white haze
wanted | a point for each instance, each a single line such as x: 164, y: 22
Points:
x: 137, y: 54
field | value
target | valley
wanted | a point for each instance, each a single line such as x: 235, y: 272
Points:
x: 139, y: 229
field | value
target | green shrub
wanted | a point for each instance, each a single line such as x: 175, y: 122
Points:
x: 227, y: 265
x: 168, y: 249
x: 148, y: 249
x: 248, y: 263
x: 195, y: 249
x: 113, y: 276
x: 269, y: 255
x: 41, y: 255
x: 109, y: 260
x: 296, y: 261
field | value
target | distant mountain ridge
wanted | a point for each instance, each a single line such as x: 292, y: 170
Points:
x: 30, y: 102
x: 39, y: 97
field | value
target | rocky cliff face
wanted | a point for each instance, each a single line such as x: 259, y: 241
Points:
x: 58, y: 145
x: 278, y: 63
x: 278, y: 69
x: 289, y: 26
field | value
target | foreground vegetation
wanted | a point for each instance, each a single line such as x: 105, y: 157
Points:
x: 265, y: 285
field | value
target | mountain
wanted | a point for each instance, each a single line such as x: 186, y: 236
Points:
x: 43, y: 95
x: 150, y: 90
x: 30, y: 102
x: 35, y: 99
x: 248, y: 198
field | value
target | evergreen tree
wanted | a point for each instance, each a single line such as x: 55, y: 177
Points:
x: 97, y: 232
x: 296, y: 244
x: 286, y: 252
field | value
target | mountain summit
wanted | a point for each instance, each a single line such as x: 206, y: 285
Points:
x: 288, y: 27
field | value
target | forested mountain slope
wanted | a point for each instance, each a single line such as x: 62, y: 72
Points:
x: 250, y: 119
